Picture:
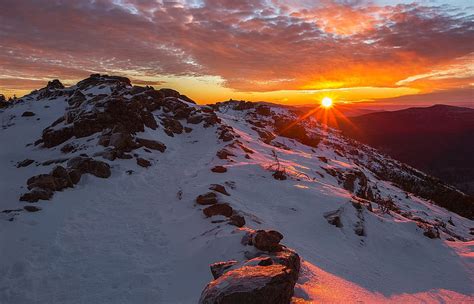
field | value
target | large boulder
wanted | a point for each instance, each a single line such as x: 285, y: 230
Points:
x: 272, y: 284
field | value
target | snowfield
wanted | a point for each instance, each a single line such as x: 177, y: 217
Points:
x: 139, y: 236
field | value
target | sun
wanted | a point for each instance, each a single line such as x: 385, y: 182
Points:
x: 326, y: 102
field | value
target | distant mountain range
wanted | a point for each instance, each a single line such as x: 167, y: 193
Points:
x: 437, y: 139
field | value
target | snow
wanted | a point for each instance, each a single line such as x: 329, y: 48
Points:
x: 132, y: 239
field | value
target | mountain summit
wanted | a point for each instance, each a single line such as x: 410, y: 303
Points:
x: 115, y: 193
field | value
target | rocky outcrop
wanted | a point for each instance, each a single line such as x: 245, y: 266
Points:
x: 42, y: 186
x: 251, y: 285
x: 267, y: 277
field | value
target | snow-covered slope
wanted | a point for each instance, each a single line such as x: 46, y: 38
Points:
x: 139, y: 236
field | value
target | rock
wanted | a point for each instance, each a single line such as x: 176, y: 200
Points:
x: 323, y: 159
x: 271, y: 284
x: 47, y: 181
x: 25, y: 163
x: 27, y: 114
x: 37, y: 194
x: 91, y: 166
x: 219, y: 169
x: 187, y: 129
x: 263, y: 110
x: 104, y: 140
x: 264, y: 135
x: 143, y: 162
x: 334, y: 218
x: 288, y: 258
x: 219, y: 268
x: 55, y: 84
x: 267, y: 240
x: 195, y: 119
x: 53, y: 137
x: 67, y: 148
x: 279, y: 175
x: 218, y: 209
x: 224, y: 154
x: 120, y: 141
x: 237, y: 220
x: 75, y: 175
x: 30, y: 208
x: 151, y: 144
x: 265, y: 261
x: 172, y: 125
x: 209, y: 198
x: 219, y: 188
x: 431, y: 233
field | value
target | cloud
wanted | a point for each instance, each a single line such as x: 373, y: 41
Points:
x: 261, y: 45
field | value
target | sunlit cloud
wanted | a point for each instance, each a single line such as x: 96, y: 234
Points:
x: 219, y: 49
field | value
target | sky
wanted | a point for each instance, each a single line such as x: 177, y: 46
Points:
x: 284, y: 51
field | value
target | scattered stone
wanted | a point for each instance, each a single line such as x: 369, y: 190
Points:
x: 237, y: 220
x: 219, y: 188
x: 120, y: 140
x: 209, y: 198
x: 219, y: 268
x: 224, y: 154
x: 24, y: 163
x: 334, y: 218
x: 151, y: 144
x: 219, y: 169
x: 431, y: 233
x: 36, y: 194
x: 279, y: 175
x: 27, y: 114
x: 30, y: 208
x: 218, y: 209
x: 67, y: 148
x: 143, y: 162
x: 267, y: 240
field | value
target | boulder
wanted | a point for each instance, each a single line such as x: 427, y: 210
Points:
x: 209, y: 198
x: 219, y: 169
x: 151, y: 144
x: 195, y: 119
x: 219, y: 268
x: 75, y: 175
x: 37, y: 194
x: 267, y: 240
x: 271, y: 284
x: 218, y: 209
x: 91, y: 166
x: 120, y: 140
x: 48, y: 181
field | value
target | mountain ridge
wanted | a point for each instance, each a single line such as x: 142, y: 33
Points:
x: 166, y: 187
